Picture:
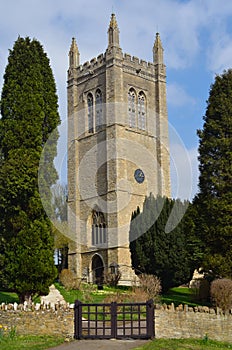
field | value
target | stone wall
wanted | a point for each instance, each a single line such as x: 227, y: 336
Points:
x: 39, y: 319
x: 188, y: 322
x: 170, y: 322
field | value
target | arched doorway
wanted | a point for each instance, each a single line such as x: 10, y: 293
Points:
x: 97, y: 270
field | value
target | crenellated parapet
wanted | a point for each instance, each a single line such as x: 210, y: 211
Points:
x: 88, y: 67
x: 138, y: 65
x: 130, y: 64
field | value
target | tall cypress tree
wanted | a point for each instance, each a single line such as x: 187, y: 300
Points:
x: 214, y: 200
x: 29, y: 109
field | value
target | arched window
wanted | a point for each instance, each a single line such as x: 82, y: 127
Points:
x: 98, y: 228
x: 90, y: 112
x: 132, y: 108
x: 141, y: 111
x: 98, y: 110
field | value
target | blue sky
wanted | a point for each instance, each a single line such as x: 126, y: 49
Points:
x: 196, y: 36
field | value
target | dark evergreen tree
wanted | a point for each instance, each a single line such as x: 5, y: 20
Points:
x: 29, y: 109
x: 213, y: 203
x: 161, y: 246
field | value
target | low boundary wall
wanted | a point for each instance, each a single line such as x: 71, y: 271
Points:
x: 188, y: 322
x: 170, y: 322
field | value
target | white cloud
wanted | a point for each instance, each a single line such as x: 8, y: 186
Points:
x: 177, y: 96
x: 220, y: 55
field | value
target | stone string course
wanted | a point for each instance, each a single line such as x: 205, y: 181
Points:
x: 170, y: 322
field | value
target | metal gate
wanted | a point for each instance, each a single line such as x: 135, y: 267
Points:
x: 114, y: 320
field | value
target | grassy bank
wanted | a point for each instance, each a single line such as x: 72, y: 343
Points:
x: 184, y: 344
x: 29, y: 342
x: 45, y: 342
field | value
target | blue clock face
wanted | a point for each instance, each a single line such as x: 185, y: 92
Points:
x: 139, y: 176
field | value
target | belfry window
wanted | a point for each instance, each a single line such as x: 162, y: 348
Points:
x: 132, y: 108
x: 141, y: 111
x: 98, y: 228
x: 90, y: 112
x: 98, y: 110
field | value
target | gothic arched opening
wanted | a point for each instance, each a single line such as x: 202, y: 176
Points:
x: 98, y: 270
x: 98, y: 228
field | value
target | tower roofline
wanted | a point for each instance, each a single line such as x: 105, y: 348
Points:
x: 113, y: 33
x: 74, y: 55
x: 158, y: 50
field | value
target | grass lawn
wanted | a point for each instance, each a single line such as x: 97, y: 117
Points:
x: 69, y: 295
x: 178, y: 295
x: 29, y: 342
x: 88, y: 293
x: 181, y: 295
x: 184, y: 344
x: 45, y: 342
x: 7, y: 297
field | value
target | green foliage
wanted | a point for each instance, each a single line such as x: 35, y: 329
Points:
x: 7, y: 333
x: 29, y: 114
x: 160, y: 245
x: 213, y: 204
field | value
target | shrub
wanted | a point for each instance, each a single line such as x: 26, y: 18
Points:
x: 149, y: 288
x: 68, y: 279
x: 138, y: 295
x: 112, y: 279
x: 221, y: 293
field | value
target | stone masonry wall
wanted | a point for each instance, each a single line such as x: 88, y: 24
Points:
x: 170, y: 322
x: 188, y: 322
x: 41, y: 319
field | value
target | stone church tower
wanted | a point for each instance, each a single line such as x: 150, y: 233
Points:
x: 118, y: 152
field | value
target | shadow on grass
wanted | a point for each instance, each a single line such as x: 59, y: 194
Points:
x: 182, y: 295
x: 8, y: 297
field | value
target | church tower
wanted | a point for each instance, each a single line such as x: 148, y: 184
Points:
x: 118, y: 152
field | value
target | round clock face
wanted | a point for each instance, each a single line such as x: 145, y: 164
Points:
x: 139, y: 176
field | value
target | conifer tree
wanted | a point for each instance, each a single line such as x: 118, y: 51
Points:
x: 158, y: 251
x: 213, y: 203
x: 29, y: 110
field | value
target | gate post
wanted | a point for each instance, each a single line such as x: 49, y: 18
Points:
x: 150, y: 318
x: 113, y: 313
x: 77, y: 319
